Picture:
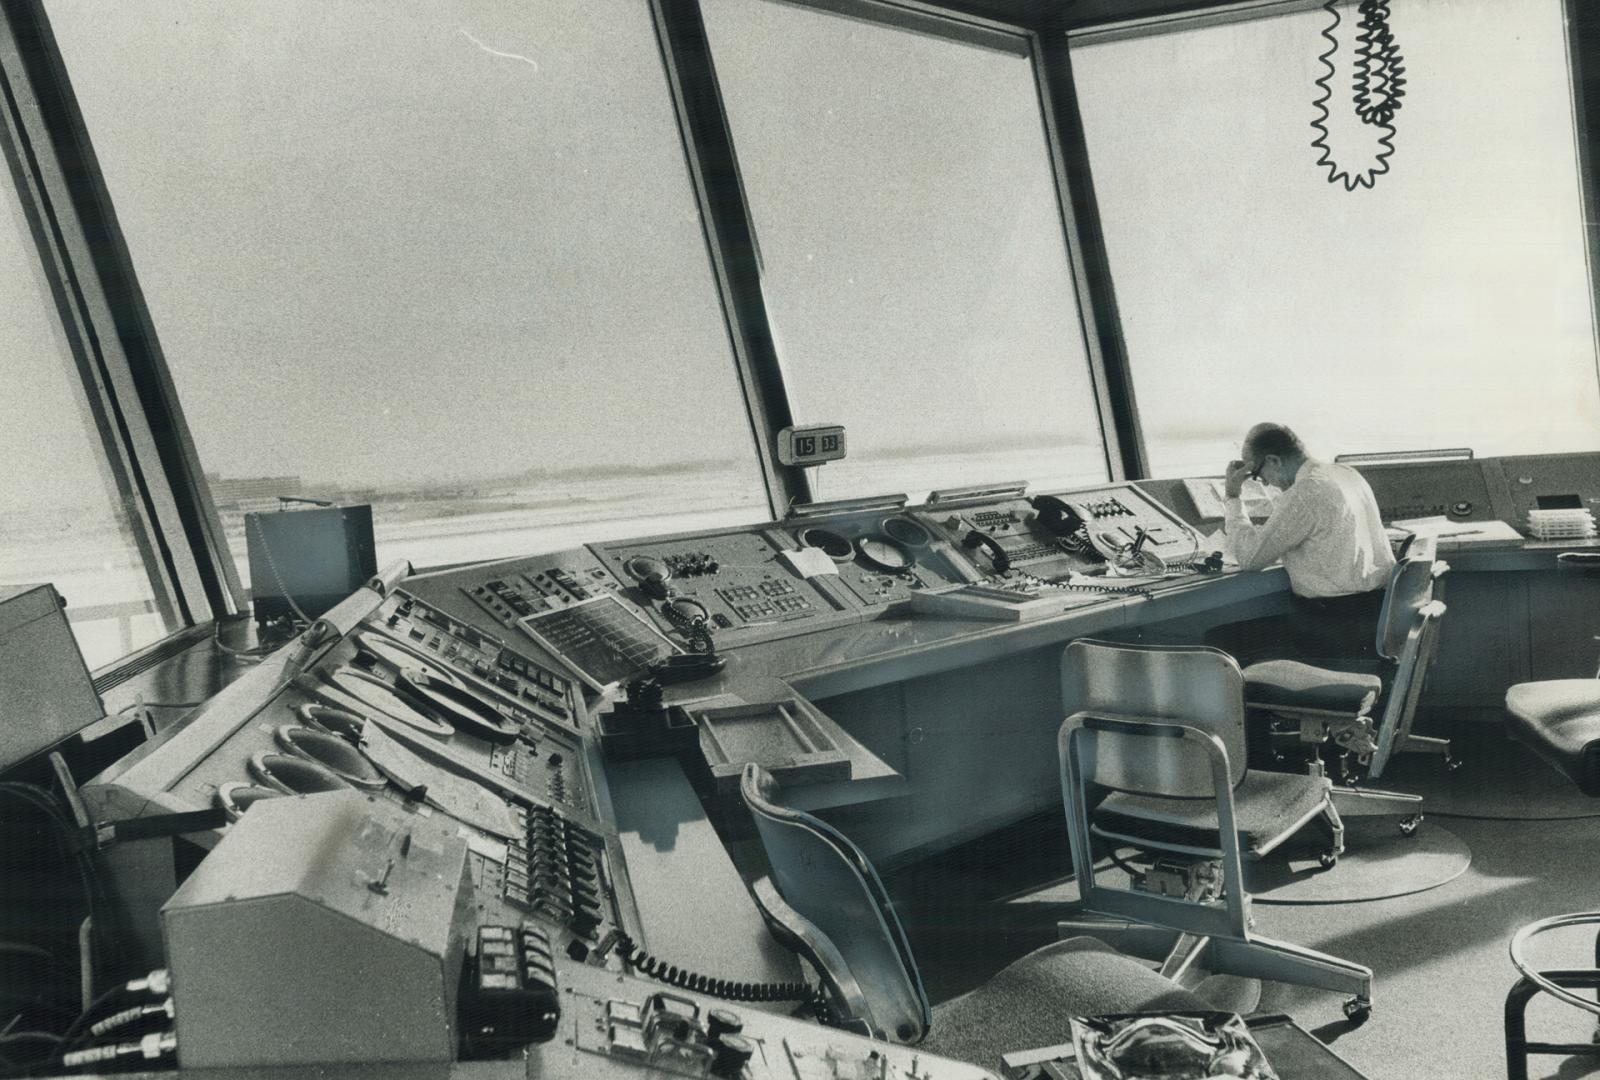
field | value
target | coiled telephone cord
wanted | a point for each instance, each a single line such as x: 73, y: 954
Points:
x: 695, y: 629
x: 1378, y: 82
x: 727, y: 989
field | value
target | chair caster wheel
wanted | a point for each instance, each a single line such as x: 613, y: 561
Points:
x: 1357, y: 1010
x: 1409, y: 825
x: 1328, y: 859
x: 1452, y: 764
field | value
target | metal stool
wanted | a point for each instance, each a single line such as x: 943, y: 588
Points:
x: 1558, y: 984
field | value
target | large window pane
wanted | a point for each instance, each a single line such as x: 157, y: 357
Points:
x: 913, y: 260
x: 440, y: 256
x: 1448, y: 305
x: 61, y: 518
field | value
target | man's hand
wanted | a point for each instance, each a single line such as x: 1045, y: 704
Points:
x: 1233, y: 484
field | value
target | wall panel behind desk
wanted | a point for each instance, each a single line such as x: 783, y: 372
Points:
x: 979, y: 752
x: 1483, y: 645
x: 1563, y: 619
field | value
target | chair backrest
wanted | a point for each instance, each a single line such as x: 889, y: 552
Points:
x: 1088, y: 739
x: 1405, y: 686
x: 1193, y: 685
x: 1410, y: 588
x: 828, y: 881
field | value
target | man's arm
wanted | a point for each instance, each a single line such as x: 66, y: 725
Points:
x: 1259, y: 546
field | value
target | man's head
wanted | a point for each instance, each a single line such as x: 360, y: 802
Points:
x: 1274, y: 454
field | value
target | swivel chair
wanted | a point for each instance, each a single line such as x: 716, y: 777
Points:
x: 1324, y: 704
x: 1559, y: 719
x: 1163, y: 729
x: 825, y: 901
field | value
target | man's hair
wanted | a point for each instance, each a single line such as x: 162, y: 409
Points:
x: 1264, y: 439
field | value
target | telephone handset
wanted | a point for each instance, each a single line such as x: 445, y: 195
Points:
x: 999, y: 558
x: 1058, y: 516
x: 1068, y: 524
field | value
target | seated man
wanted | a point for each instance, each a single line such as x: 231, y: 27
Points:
x: 1326, y: 530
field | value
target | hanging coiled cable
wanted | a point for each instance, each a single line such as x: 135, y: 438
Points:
x: 727, y: 989
x: 1380, y: 75
x: 1378, y: 82
x: 695, y: 628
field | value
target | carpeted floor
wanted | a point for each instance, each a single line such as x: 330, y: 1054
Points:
x: 1439, y: 956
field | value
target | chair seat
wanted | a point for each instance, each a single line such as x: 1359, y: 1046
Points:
x: 1289, y: 684
x: 1559, y: 720
x: 1031, y: 1001
x: 1268, y: 807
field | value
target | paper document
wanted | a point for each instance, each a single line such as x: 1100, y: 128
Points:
x: 809, y: 562
x: 1208, y: 497
x: 1464, y: 532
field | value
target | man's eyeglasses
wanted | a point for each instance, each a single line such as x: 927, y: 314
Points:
x: 1255, y: 473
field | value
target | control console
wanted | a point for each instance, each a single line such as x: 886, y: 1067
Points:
x: 1018, y: 540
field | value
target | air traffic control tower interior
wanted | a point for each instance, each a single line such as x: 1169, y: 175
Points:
x: 692, y: 538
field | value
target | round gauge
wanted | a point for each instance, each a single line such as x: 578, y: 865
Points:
x: 330, y: 751
x: 458, y: 705
x: 370, y: 690
x: 236, y: 798
x: 652, y: 575
x: 833, y: 545
x: 341, y: 722
x: 396, y: 656
x: 882, y: 553
x: 295, y: 775
x: 645, y: 567
x: 1460, y: 509
x: 906, y: 530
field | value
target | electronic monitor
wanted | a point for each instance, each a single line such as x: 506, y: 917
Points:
x: 46, y: 693
x: 308, y: 559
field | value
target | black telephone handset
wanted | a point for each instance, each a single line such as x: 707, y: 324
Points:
x: 1056, y: 515
x: 998, y: 556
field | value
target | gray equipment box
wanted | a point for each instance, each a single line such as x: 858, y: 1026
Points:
x: 46, y: 694
x: 323, y: 928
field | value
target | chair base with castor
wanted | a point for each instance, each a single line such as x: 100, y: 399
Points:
x: 1328, y: 709
x: 1181, y: 796
x: 1243, y: 954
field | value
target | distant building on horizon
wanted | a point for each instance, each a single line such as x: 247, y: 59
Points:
x: 252, y: 494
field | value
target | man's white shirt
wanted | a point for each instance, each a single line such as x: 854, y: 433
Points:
x: 1326, y: 529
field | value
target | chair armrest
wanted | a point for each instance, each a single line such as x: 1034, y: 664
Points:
x: 797, y: 933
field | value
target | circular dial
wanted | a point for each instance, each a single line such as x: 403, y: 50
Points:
x: 651, y: 573
x: 883, y: 553
x: 909, y: 532
x: 833, y: 545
